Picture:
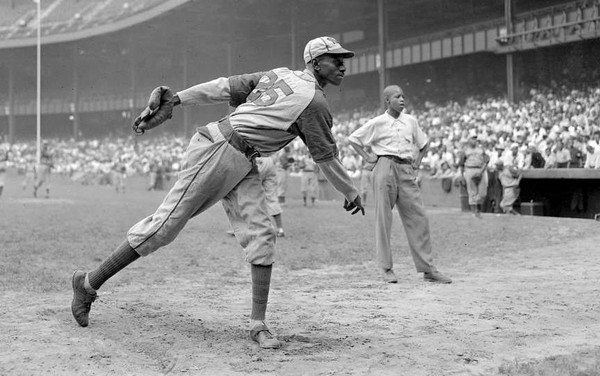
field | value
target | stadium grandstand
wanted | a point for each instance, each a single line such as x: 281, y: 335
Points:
x: 517, y: 71
x: 100, y: 58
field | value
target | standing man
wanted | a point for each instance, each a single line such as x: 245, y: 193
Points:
x: 533, y: 159
x: 29, y: 172
x: 43, y: 170
x: 473, y: 167
x: 308, y: 179
x: 592, y: 155
x: 510, y: 178
x: 284, y: 162
x: 272, y: 108
x: 563, y: 155
x: 366, y: 174
x: 394, y: 138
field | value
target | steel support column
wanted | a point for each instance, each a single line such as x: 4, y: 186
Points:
x: 510, y: 76
x: 382, y: 34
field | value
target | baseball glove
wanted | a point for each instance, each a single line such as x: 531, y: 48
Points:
x: 159, y: 110
x: 476, y: 178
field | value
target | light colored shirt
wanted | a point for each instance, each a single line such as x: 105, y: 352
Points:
x: 272, y: 108
x: 474, y: 157
x: 517, y: 161
x: 592, y: 160
x: 550, y: 160
x: 563, y: 156
x: 401, y: 137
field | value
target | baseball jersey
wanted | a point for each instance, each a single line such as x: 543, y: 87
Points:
x: 474, y: 157
x: 272, y: 108
x: 387, y: 135
x: 46, y: 157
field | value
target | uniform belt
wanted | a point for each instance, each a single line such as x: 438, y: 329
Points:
x: 397, y: 159
x: 233, y: 138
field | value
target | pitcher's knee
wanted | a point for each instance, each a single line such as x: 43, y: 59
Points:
x: 261, y: 249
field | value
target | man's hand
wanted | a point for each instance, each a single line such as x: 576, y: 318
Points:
x: 372, y: 158
x: 369, y: 166
x: 355, y: 205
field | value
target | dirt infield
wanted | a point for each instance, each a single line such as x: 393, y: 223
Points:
x: 525, y: 297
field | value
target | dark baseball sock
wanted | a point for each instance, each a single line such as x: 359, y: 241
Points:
x: 120, y: 258
x: 261, y: 281
x: 278, y: 222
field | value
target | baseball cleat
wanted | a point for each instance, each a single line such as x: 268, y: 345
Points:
x: 389, y: 276
x: 435, y: 276
x: 82, y: 299
x: 265, y: 339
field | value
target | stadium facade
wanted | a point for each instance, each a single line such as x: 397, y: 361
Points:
x: 101, y: 58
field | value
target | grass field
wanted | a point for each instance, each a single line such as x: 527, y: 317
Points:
x: 525, y: 298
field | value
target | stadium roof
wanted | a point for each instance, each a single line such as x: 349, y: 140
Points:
x: 236, y: 20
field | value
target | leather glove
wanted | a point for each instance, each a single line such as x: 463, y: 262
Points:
x: 159, y: 110
x: 355, y: 205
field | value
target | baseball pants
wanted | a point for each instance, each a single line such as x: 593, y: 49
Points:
x: 282, y: 181
x: 268, y: 176
x: 42, y: 176
x: 308, y: 184
x: 212, y: 170
x: 476, y: 192
x: 394, y: 185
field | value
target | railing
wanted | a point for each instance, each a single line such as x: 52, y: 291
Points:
x: 569, y: 23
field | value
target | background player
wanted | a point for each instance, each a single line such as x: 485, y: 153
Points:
x: 284, y: 162
x: 473, y: 164
x: 267, y: 173
x: 272, y: 108
x: 308, y: 179
x: 3, y: 166
x: 43, y: 170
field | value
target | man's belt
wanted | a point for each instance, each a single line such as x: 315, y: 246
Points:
x: 397, y: 159
x: 233, y: 138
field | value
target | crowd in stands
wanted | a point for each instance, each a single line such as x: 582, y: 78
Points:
x: 554, y: 127
x: 95, y: 161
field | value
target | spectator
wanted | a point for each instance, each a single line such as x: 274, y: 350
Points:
x: 533, y: 158
x: 512, y: 156
x: 592, y: 156
x: 509, y: 178
x: 549, y: 158
x: 562, y: 155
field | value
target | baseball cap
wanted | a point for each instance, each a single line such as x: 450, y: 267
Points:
x: 324, y: 45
